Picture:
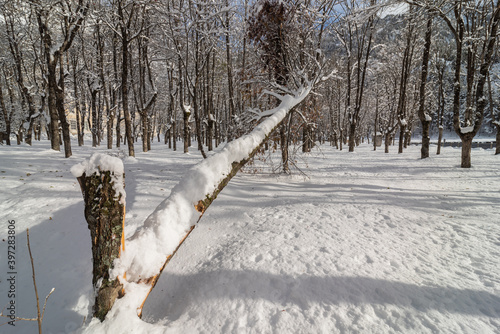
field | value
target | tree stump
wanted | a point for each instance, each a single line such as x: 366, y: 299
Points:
x: 102, y: 182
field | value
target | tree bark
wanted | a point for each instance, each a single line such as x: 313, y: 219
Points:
x: 284, y: 147
x: 387, y: 142
x: 466, y: 151
x: 55, y: 143
x: 375, y: 125
x: 124, y: 78
x: 78, y: 111
x: 402, y: 131
x: 422, y: 115
x: 186, y: 131
x: 441, y: 105
x: 497, y: 145
x: 62, y: 112
x: 5, y: 116
x: 174, y: 135
x: 352, y: 136
x: 494, y: 118
x: 105, y: 215
x: 93, y: 106
x: 229, y: 76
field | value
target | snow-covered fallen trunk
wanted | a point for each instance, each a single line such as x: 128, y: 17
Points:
x: 151, y: 247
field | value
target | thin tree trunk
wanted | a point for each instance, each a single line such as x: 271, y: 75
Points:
x: 62, y: 111
x: 5, y: 115
x: 284, y: 147
x: 441, y: 105
x: 114, y: 113
x: 229, y: 75
x: 104, y: 90
x: 118, y: 127
x: 440, y: 139
x: 53, y: 113
x: 187, y: 134
x: 402, y: 131
x: 77, y: 102
x: 494, y: 118
x: 375, y: 125
x: 125, y: 63
x: 424, y: 117
x: 197, y: 121
x: 174, y: 135
x: 93, y: 106
x: 497, y: 145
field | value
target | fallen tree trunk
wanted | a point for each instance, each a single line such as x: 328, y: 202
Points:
x: 152, y: 246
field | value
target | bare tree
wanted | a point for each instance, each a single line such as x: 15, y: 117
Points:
x: 356, y: 36
x: 474, y: 27
x: 54, y: 46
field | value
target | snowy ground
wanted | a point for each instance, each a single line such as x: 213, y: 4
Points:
x: 366, y: 243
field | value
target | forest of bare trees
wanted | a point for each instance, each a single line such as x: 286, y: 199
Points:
x: 129, y: 72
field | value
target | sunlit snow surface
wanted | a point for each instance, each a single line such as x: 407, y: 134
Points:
x: 367, y: 243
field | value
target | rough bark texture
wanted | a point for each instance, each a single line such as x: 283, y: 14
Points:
x: 105, y: 217
x: 466, y: 151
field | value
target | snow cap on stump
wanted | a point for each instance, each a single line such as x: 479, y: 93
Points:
x: 100, y: 162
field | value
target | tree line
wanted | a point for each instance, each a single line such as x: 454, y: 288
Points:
x: 183, y: 70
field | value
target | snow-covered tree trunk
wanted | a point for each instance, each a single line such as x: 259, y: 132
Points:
x: 101, y: 180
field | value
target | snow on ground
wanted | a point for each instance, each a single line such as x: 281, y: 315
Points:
x: 366, y: 243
